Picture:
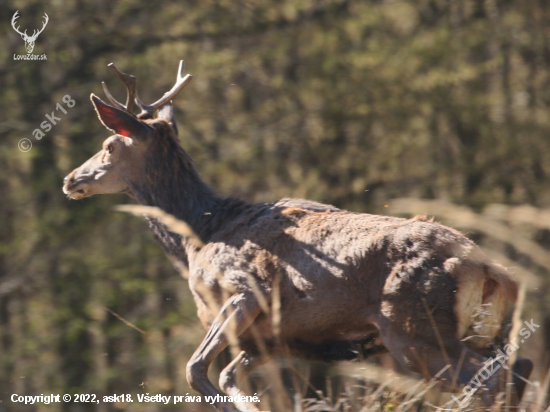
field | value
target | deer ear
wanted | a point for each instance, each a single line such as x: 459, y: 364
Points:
x: 119, y: 121
x: 167, y: 112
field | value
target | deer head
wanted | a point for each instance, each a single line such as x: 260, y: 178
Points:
x: 121, y: 166
x: 29, y: 40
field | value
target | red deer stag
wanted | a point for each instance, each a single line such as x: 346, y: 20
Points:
x: 342, y: 280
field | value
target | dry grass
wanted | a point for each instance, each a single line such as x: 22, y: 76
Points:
x: 361, y: 387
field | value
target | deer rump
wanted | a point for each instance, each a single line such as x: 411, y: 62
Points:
x: 352, y: 285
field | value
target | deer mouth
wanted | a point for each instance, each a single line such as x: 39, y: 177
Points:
x: 79, y: 194
x: 75, y: 189
x: 78, y: 191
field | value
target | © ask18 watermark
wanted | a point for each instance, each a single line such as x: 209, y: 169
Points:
x: 51, y: 120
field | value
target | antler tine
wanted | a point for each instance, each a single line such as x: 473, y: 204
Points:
x: 131, y: 89
x: 115, y: 103
x: 181, y: 82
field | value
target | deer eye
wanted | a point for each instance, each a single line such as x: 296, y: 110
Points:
x: 109, y: 148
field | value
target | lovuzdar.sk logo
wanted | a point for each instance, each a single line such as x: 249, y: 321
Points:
x: 29, y: 40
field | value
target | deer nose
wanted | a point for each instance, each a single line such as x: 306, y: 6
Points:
x: 65, y: 179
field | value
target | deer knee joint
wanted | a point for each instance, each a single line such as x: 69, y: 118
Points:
x: 195, y: 372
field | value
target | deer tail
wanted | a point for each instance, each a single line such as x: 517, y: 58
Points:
x: 485, y: 292
x: 498, y: 275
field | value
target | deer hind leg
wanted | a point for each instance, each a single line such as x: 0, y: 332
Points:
x: 237, y: 314
x: 522, y: 369
x: 428, y: 351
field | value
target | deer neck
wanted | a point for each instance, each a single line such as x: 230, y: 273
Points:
x: 176, y: 187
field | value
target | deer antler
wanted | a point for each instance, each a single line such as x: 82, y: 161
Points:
x: 131, y: 84
x: 181, y: 82
x: 37, y: 32
x: 131, y: 87
x: 13, y: 19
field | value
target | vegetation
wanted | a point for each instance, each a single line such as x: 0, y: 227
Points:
x: 349, y: 102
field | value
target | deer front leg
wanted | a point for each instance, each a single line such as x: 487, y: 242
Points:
x: 235, y: 317
x: 236, y: 371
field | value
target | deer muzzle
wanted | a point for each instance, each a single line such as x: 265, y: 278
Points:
x: 75, y: 188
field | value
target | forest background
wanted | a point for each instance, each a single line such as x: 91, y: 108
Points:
x: 349, y: 102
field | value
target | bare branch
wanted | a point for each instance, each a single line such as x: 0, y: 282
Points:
x: 175, y: 225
